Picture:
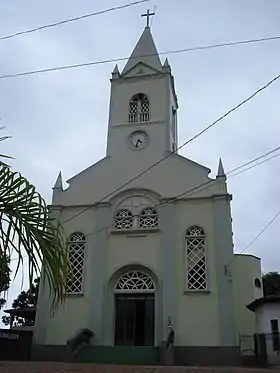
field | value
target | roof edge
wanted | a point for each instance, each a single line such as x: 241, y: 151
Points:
x: 274, y: 298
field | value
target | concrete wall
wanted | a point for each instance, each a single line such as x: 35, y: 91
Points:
x: 73, y: 316
x: 244, y: 270
x: 154, y: 86
x: 265, y: 313
x: 202, y: 318
x: 194, y: 327
x: 97, y: 181
x: 162, y: 252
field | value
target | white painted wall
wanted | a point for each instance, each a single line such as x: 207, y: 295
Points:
x: 264, y: 313
x: 195, y: 326
x: 197, y: 316
x: 244, y: 270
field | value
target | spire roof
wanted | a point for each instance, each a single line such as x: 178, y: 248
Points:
x: 145, y: 51
x: 166, y: 63
x: 58, y: 183
x: 221, y: 172
x: 116, y: 70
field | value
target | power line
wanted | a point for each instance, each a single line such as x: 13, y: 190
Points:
x: 198, y: 188
x: 229, y: 173
x: 256, y: 237
x: 71, y: 20
x: 256, y: 159
x: 180, y: 147
x: 99, y: 62
x: 255, y: 165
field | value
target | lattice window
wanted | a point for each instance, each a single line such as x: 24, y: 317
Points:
x: 77, y: 243
x: 135, y: 281
x: 123, y: 219
x: 149, y: 218
x: 139, y: 109
x: 196, y: 260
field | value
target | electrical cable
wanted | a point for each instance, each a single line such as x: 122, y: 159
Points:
x: 255, y: 165
x: 180, y: 147
x: 71, y: 20
x: 256, y: 237
x: 256, y: 159
x: 99, y: 62
x: 203, y: 186
x: 198, y: 188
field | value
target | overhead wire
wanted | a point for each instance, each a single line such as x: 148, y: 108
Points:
x: 198, y: 188
x: 261, y: 232
x: 255, y: 165
x: 84, y: 16
x: 105, y: 61
x: 180, y: 147
x: 256, y: 159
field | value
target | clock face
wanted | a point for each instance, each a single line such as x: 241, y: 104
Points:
x: 138, y: 139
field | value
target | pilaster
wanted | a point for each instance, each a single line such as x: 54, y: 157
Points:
x: 43, y: 310
x: 224, y: 254
x: 98, y: 270
x: 167, y: 221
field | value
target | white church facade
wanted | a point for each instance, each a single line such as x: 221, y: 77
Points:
x: 149, y: 253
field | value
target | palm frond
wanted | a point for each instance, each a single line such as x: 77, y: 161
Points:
x: 26, y: 227
x: 3, y: 138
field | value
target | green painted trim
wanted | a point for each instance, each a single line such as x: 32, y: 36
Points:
x: 127, y: 355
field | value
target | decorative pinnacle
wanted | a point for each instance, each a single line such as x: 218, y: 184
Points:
x: 58, y: 183
x: 221, y: 172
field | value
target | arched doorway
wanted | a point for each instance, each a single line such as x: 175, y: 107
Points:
x: 134, y: 309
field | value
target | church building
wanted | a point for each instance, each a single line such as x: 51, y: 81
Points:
x: 150, y: 240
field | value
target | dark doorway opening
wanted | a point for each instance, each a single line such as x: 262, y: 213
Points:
x: 134, y: 319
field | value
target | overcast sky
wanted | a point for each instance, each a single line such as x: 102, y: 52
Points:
x: 58, y: 120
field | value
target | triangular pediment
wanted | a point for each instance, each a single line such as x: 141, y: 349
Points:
x: 141, y: 69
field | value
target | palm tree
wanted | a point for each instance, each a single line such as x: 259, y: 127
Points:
x: 27, y: 229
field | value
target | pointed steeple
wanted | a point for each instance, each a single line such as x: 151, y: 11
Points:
x: 166, y: 67
x: 58, y: 183
x: 115, y: 73
x: 221, y: 172
x: 145, y: 51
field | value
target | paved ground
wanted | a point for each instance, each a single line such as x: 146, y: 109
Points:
x: 46, y: 367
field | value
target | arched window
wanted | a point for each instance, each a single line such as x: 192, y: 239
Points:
x: 258, y: 283
x: 148, y: 218
x: 196, y: 261
x: 77, y: 243
x: 135, y: 281
x: 139, y: 108
x: 123, y: 219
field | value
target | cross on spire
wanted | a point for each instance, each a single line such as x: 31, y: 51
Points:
x: 148, y: 15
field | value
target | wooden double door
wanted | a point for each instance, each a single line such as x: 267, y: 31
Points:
x: 134, y: 319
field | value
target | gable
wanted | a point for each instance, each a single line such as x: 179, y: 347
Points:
x: 193, y: 164
x: 141, y: 69
x: 110, y: 176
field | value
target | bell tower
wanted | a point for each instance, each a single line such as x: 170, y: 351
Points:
x: 143, y: 104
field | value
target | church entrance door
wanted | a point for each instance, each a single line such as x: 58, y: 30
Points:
x: 134, y: 310
x: 134, y: 319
